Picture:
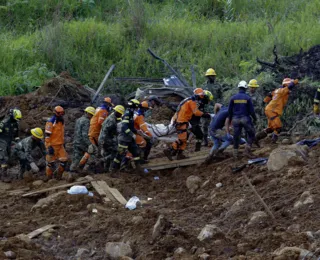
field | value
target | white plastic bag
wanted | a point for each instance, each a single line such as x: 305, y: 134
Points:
x: 132, y: 203
x: 79, y: 189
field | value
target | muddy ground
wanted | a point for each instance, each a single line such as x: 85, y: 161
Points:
x: 186, y: 214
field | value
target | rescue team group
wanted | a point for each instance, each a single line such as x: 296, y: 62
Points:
x: 112, y: 132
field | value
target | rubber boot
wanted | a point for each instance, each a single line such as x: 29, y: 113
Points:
x: 259, y: 136
x: 49, y: 172
x: 274, y: 138
x: 181, y: 156
x: 198, y: 146
x: 205, y: 141
x: 61, y: 170
x: 235, y: 153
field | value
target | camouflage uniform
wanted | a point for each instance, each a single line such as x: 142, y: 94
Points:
x: 216, y: 90
x: 23, y: 150
x: 81, y: 140
x: 258, y: 104
x: 9, y: 130
x: 108, y: 139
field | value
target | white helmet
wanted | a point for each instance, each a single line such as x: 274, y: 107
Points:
x: 242, y: 84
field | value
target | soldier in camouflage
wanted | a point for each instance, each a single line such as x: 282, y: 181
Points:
x: 9, y: 132
x: 257, y: 101
x: 108, y: 140
x: 213, y: 87
x: 22, y: 151
x: 81, y: 140
x: 205, y: 122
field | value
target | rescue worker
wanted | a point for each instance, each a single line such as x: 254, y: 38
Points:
x: 208, y: 108
x: 108, y: 139
x: 81, y: 140
x: 316, y: 101
x: 127, y: 138
x: 257, y: 101
x: 212, y: 86
x: 54, y: 142
x: 9, y: 132
x: 221, y: 139
x: 144, y: 138
x: 24, y: 148
x: 240, y: 112
x: 186, y: 109
x: 276, y: 102
x: 96, y: 121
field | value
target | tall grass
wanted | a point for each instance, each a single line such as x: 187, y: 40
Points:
x: 86, y: 37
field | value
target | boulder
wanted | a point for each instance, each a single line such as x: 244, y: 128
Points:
x: 193, y: 183
x: 137, y: 220
x: 115, y: 250
x: 45, y: 202
x: 210, y: 231
x: 257, y: 217
x: 279, y: 158
x: 37, y: 184
x: 292, y: 252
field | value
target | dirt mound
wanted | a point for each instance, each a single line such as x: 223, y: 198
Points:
x: 231, y: 208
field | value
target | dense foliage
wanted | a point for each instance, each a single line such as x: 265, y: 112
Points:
x: 40, y: 38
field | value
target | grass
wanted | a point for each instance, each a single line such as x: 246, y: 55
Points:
x: 86, y: 37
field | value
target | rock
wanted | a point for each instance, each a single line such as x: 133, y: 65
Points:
x: 115, y: 250
x: 24, y: 238
x: 193, y: 249
x: 279, y: 158
x: 47, y: 235
x: 179, y: 251
x: 210, y: 231
x: 37, y: 184
x: 137, y: 220
x: 243, y: 248
x: 161, y: 225
x: 235, y: 208
x: 81, y: 252
x: 286, y: 141
x: 292, y: 252
x: 305, y: 198
x: 257, y: 217
x: 45, y: 202
x: 193, y: 183
x: 204, y: 256
x: 294, y: 228
x: 10, y: 255
x: 310, y: 236
x: 200, y: 251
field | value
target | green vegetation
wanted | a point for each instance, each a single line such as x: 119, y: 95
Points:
x: 39, y: 38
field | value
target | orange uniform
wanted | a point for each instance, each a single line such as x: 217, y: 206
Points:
x: 275, y: 107
x: 185, y: 111
x: 55, y: 138
x: 96, y: 124
x: 140, y: 125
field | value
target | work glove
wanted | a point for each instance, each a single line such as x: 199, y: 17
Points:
x: 34, y: 167
x: 17, y: 139
x: 206, y: 115
x: 134, y: 136
x: 50, y: 150
x: 296, y: 81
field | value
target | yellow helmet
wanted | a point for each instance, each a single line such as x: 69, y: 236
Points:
x: 211, y: 72
x: 253, y: 83
x: 16, y: 113
x: 133, y: 103
x: 37, y: 132
x: 119, y: 109
x: 90, y: 110
x: 208, y: 94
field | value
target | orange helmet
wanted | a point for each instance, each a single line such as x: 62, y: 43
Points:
x: 107, y: 99
x: 59, y: 111
x: 286, y: 81
x: 199, y: 92
x: 144, y: 104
